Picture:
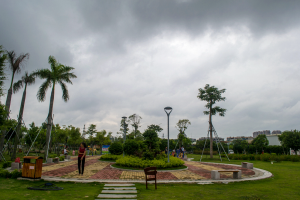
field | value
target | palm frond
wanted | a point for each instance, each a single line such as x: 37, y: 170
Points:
x: 19, y: 61
x: 30, y: 79
x: 11, y: 59
x: 53, y: 62
x: 65, y: 92
x: 43, y: 73
x: 41, y: 95
x: 17, y: 86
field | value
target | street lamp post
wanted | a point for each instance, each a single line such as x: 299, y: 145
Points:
x: 124, y: 137
x: 168, y: 110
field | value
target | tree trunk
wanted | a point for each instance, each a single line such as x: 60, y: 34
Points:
x: 49, y: 124
x: 19, y: 123
x: 210, y: 134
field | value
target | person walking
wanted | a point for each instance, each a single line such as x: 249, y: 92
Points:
x: 81, y: 158
x: 88, y: 150
x: 177, y: 151
x: 66, y: 151
x: 182, y: 152
x: 166, y: 150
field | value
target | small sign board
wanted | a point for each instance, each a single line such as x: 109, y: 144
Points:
x: 105, y: 149
x: 31, y: 167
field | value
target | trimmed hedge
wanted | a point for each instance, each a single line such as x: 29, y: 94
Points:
x: 7, y: 174
x: 110, y: 157
x: 61, y: 158
x: 135, y: 162
x: 6, y: 164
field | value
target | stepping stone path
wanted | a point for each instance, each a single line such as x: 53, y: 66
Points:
x: 118, y: 192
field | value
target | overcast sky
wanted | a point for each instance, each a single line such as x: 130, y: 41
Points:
x: 140, y: 56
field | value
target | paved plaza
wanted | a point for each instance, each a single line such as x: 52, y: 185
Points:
x: 96, y: 169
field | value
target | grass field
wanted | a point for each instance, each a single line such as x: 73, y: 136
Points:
x: 284, y: 185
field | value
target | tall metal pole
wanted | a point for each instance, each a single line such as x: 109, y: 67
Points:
x: 168, y: 114
x: 168, y: 140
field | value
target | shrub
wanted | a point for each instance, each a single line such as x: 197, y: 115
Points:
x: 6, y: 164
x: 244, y: 157
x: 230, y: 156
x: 110, y: 157
x: 295, y: 159
x: 116, y: 148
x: 61, y: 158
x: 16, y: 174
x: 5, y: 174
x: 251, y: 157
x: 130, y: 147
x: 160, y: 156
x: 265, y: 157
x: 135, y: 162
x: 148, y: 155
x: 257, y: 157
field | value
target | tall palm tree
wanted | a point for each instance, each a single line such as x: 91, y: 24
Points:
x: 25, y: 80
x: 60, y: 74
x: 15, y: 64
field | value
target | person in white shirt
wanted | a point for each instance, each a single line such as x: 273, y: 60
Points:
x: 66, y: 151
x: 182, y: 152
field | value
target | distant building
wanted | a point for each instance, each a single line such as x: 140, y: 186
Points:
x: 276, y: 132
x: 264, y: 132
x: 204, y: 138
x: 248, y: 138
x: 193, y: 139
x: 273, y: 140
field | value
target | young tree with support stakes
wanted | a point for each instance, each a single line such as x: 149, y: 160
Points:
x: 27, y: 79
x: 211, y: 95
x: 59, y: 74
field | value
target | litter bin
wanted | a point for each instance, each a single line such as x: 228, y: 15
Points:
x: 32, y: 167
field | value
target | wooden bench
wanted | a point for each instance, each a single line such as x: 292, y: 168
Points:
x: 215, y: 174
x: 150, y: 171
x: 247, y: 165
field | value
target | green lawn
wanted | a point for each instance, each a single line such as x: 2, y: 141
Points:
x: 284, y: 185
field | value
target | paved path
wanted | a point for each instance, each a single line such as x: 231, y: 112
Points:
x: 96, y: 169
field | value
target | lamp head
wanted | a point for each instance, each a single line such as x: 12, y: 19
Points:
x: 168, y: 109
x: 124, y: 118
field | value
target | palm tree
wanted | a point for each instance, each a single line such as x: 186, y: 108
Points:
x: 26, y: 80
x: 58, y: 74
x: 15, y: 66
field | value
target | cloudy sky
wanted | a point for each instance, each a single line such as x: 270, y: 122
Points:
x: 139, y: 56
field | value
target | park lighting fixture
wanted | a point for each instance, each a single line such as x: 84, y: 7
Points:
x: 168, y: 110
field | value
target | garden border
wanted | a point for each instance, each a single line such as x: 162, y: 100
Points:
x: 159, y: 170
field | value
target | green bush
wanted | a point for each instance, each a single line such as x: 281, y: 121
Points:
x: 110, y: 157
x: 16, y: 174
x: 116, y: 148
x: 61, y: 158
x: 52, y: 156
x: 5, y: 174
x: 265, y: 157
x: 295, y: 158
x: 6, y: 164
x: 148, y: 155
x: 251, y: 157
x: 160, y: 156
x: 205, y: 152
x: 257, y: 157
x: 135, y: 162
x: 131, y: 146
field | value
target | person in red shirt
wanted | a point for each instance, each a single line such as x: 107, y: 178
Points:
x: 81, y: 157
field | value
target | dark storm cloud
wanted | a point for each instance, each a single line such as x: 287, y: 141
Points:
x: 140, y: 56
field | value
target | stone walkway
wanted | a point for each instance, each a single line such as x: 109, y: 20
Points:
x: 100, y: 170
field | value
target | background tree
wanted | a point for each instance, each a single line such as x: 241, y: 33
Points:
x: 135, y: 122
x: 25, y: 80
x: 59, y: 74
x: 3, y: 58
x: 211, y: 95
x: 154, y: 127
x: 239, y: 146
x: 3, y: 111
x: 151, y: 139
x: 181, y: 126
x: 290, y: 139
x: 102, y: 138
x: 260, y: 142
